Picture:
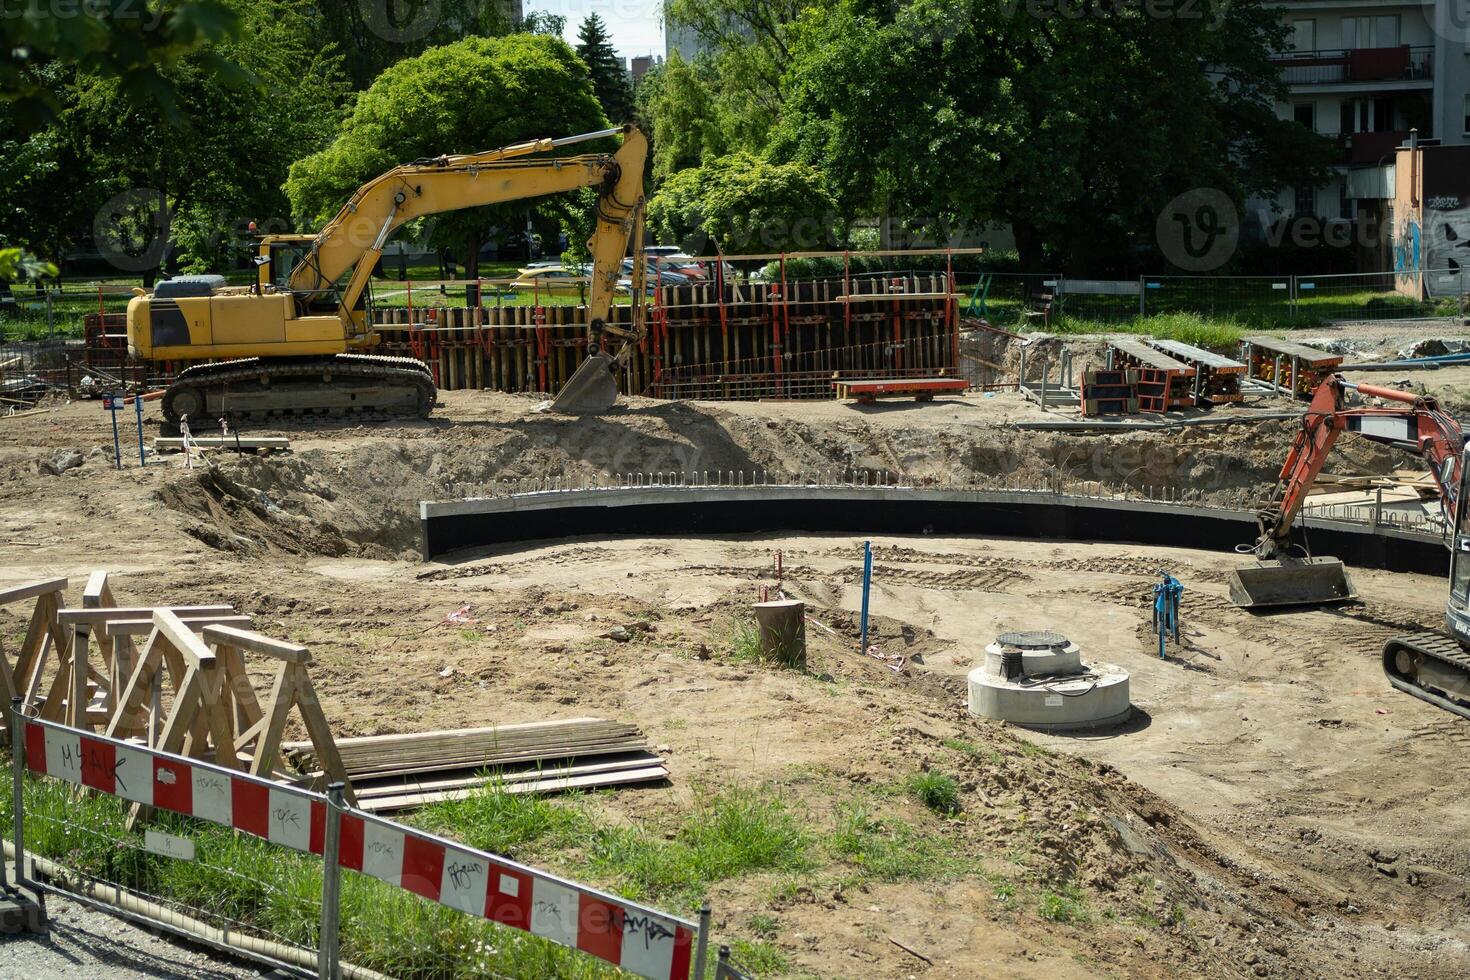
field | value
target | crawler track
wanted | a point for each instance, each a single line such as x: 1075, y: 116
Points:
x: 1416, y: 661
x: 339, y: 385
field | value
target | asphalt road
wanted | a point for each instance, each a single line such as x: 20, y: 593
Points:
x: 84, y: 944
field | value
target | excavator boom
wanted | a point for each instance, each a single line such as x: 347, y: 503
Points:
x: 299, y: 338
x: 1282, y: 576
x: 1434, y: 667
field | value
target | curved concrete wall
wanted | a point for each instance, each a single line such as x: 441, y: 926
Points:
x: 649, y: 511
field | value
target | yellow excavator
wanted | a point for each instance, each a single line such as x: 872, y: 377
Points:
x: 292, y: 341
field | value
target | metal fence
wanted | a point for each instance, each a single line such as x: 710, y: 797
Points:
x: 303, y: 881
x: 1254, y: 301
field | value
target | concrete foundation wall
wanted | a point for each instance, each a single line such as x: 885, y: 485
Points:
x: 449, y: 526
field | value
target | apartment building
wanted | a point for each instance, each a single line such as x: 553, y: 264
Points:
x: 1365, y: 73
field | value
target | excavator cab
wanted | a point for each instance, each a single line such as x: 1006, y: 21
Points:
x: 278, y: 255
x: 1457, y: 609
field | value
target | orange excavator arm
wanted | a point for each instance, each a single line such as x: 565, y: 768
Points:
x: 1420, y: 426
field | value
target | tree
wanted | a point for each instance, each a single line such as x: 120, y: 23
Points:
x: 748, y: 54
x: 129, y: 42
x: 678, y: 109
x: 542, y: 22
x: 1076, y: 130
x: 746, y: 204
x: 193, y: 186
x: 472, y: 95
x: 375, y: 34
x: 609, y: 78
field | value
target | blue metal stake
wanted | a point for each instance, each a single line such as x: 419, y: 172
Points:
x: 1166, y: 610
x: 112, y: 403
x: 138, y: 404
x: 867, y: 586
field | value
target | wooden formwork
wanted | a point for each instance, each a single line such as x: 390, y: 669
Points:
x: 706, y: 340
x: 1179, y: 377
x: 1217, y: 378
x: 1287, y: 365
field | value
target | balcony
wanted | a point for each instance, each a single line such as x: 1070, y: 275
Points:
x: 1369, y: 149
x: 1345, y: 65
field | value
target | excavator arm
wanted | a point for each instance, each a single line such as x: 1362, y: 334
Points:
x: 1419, y: 426
x: 354, y: 240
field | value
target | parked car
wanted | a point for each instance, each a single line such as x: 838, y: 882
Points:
x: 556, y: 280
x: 551, y: 280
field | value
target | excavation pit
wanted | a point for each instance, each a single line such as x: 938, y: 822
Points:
x: 1038, y: 679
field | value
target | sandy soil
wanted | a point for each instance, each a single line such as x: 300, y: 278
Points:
x: 1274, y: 809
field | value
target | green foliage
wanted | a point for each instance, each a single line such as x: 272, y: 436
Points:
x: 890, y: 849
x: 609, y: 78
x: 938, y: 112
x: 141, y: 178
x: 1066, y: 905
x: 473, y: 95
x: 131, y: 44
x: 376, y: 35
x: 746, y: 204
x: 676, y: 105
x: 15, y: 263
x: 748, y: 53
x: 1220, y: 335
x: 935, y: 790
x: 501, y: 822
x: 736, y: 832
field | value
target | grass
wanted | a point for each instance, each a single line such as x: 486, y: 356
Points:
x: 1216, y: 334
x: 745, y: 646
x: 935, y: 790
x: 890, y: 849
x: 1038, y: 751
x: 734, y: 833
x: 1066, y: 905
x: 973, y: 751
x: 759, y: 958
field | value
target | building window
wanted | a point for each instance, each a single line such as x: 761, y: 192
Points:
x: 1306, y: 202
x: 1370, y: 32
x: 1467, y: 115
x: 1305, y: 113
x: 1304, y: 35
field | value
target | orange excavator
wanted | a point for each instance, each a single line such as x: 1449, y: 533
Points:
x: 1432, y: 666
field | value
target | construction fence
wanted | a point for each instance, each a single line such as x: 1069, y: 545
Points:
x: 1259, y: 301
x: 303, y: 881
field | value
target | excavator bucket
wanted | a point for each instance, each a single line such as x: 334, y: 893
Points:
x: 591, y: 390
x: 1290, y: 582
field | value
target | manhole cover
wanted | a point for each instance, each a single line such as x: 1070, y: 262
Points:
x: 1032, y: 639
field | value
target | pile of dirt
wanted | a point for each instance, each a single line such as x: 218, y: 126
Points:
x: 361, y: 497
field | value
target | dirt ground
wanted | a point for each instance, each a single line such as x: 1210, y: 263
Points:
x: 1273, y: 809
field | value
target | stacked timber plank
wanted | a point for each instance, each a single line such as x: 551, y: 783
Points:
x: 399, y: 772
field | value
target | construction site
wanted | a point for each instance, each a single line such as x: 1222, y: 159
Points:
x: 804, y: 617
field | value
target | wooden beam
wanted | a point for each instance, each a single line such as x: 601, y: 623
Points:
x: 71, y: 617
x: 142, y: 627
x: 32, y: 590
x: 257, y: 643
x: 181, y: 637
x: 176, y: 444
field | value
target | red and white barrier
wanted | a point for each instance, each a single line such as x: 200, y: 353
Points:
x: 638, y: 939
